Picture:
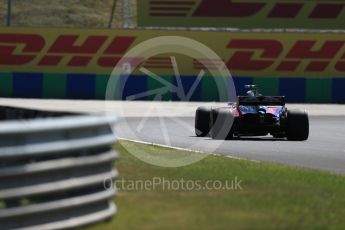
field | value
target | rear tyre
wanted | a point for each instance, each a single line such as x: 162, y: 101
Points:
x: 202, y: 121
x: 222, y: 124
x: 297, y: 126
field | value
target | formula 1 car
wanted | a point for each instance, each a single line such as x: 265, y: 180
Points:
x: 252, y: 115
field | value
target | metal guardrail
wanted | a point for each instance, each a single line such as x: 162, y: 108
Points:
x: 52, y: 170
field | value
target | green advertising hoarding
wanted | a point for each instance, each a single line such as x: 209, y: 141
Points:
x: 312, y: 14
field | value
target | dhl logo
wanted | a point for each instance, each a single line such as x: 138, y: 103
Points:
x: 273, y: 55
x: 101, y: 53
x: 241, y: 9
x: 24, y: 49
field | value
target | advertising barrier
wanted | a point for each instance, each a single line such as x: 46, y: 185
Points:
x: 322, y: 14
x: 76, y: 63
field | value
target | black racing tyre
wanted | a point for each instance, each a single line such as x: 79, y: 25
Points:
x: 202, y: 121
x: 297, y: 126
x: 222, y: 124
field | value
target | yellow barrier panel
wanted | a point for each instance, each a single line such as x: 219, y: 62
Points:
x: 321, y: 14
x: 245, y: 54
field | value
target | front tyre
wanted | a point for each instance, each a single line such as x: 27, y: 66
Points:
x: 297, y: 126
x: 202, y: 121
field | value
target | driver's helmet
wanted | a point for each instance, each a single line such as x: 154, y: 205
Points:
x: 250, y: 93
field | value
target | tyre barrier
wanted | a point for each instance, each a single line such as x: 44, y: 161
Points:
x: 53, y: 167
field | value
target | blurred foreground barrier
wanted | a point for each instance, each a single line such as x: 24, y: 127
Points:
x: 52, y: 169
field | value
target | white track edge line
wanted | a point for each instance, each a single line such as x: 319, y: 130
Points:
x: 188, y: 150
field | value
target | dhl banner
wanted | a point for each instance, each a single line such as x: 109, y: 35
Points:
x: 76, y: 63
x: 309, y: 14
x: 245, y: 54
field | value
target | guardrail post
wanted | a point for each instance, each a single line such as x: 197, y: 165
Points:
x: 126, y: 13
x: 112, y: 13
x: 9, y: 12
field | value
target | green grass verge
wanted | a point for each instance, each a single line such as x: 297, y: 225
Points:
x: 273, y: 196
x: 63, y: 13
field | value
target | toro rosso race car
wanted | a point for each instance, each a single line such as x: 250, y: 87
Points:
x: 252, y: 115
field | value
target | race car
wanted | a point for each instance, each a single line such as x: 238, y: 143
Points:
x: 252, y: 115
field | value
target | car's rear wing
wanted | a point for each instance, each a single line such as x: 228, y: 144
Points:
x: 262, y: 100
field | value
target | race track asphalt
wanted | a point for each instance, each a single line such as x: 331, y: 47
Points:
x: 325, y: 148
x: 172, y: 124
